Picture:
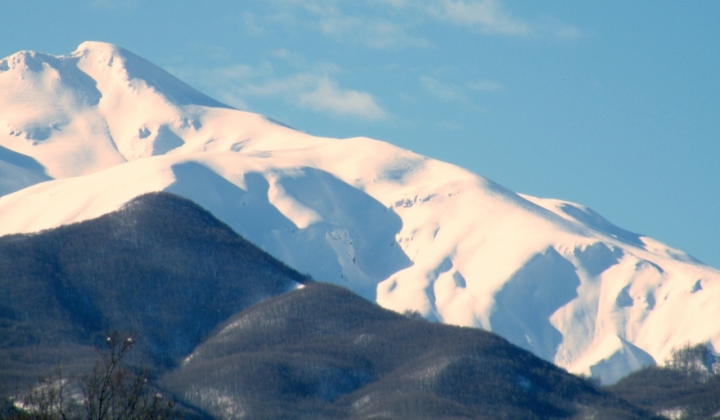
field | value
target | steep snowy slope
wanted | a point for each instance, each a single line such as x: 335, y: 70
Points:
x: 404, y: 230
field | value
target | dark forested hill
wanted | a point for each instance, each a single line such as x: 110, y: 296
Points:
x: 161, y: 267
x: 323, y: 352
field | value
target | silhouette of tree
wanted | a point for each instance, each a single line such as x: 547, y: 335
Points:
x: 111, y: 391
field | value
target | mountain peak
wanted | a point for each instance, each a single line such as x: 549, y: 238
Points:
x: 96, y: 57
x: 98, y: 46
x: 29, y: 60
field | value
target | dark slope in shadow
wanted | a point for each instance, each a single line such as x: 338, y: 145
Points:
x: 595, y: 221
x: 161, y: 267
x: 525, y: 303
x: 324, y: 352
x: 371, y: 226
x: 18, y: 171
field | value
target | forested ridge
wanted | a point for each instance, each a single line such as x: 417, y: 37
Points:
x: 161, y: 267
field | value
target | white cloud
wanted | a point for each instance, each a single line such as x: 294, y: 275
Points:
x: 393, y: 3
x: 449, y: 92
x: 485, y: 86
x: 319, y: 93
x: 389, y: 24
x: 486, y: 15
x: 327, y: 96
x: 357, y: 28
x: 568, y: 32
x: 232, y: 99
x: 251, y: 25
x: 287, y: 55
x: 312, y: 89
x: 441, y: 90
x: 374, y: 33
x: 553, y: 26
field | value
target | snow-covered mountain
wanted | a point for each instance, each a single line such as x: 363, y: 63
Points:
x: 82, y: 134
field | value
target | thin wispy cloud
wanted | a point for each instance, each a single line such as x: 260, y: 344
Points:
x: 289, y: 56
x: 329, y: 18
x: 450, y: 92
x: 328, y: 96
x: 553, y: 26
x: 488, y: 16
x: 376, y: 24
x: 252, y: 24
x: 483, y: 16
x: 317, y: 92
x: 485, y: 86
x: 440, y: 90
x: 393, y: 3
x: 313, y: 89
x: 374, y: 33
x: 393, y: 24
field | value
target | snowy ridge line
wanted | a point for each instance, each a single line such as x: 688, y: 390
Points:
x: 82, y: 134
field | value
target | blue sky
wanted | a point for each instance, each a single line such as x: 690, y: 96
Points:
x: 613, y: 104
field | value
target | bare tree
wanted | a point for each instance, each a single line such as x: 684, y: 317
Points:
x: 49, y: 399
x: 111, y: 391
x: 694, y: 360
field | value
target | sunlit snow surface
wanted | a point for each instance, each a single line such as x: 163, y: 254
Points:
x: 82, y: 134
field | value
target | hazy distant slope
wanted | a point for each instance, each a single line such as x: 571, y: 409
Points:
x: 406, y: 231
x: 322, y: 352
x: 161, y: 267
